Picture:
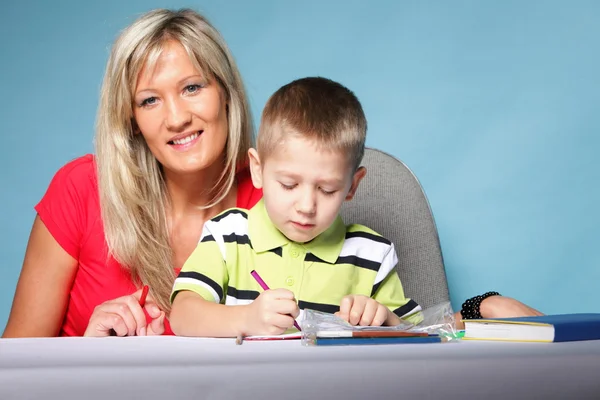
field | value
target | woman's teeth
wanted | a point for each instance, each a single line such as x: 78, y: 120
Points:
x: 187, y: 139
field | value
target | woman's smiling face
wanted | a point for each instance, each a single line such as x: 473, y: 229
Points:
x: 181, y: 114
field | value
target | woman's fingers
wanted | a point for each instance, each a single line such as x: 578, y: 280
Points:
x: 124, y: 316
x: 157, y: 326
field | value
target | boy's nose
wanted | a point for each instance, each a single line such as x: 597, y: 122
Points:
x: 306, y: 204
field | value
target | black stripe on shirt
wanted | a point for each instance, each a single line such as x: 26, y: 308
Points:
x: 359, y: 262
x: 408, y: 307
x: 310, y: 257
x: 230, y: 212
x: 203, y: 278
x: 239, y: 239
x: 375, y: 287
x: 209, y: 238
x: 354, y: 260
x: 328, y: 308
x: 278, y: 251
x: 367, y: 235
x: 242, y: 294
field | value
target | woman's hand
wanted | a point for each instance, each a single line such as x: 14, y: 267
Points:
x: 125, y: 317
x: 500, y: 307
x: 505, y: 307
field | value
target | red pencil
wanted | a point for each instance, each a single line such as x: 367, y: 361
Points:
x: 144, y: 295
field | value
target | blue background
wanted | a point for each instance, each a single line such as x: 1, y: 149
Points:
x: 493, y: 105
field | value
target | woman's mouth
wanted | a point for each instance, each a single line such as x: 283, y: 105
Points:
x: 186, y: 139
x: 186, y: 142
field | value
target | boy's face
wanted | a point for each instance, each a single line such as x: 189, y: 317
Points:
x: 304, y: 186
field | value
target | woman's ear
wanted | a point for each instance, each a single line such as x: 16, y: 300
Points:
x: 255, y: 168
x: 356, y: 178
x: 134, y: 127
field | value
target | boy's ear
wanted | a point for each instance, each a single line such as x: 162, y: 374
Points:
x: 358, y: 176
x: 255, y: 168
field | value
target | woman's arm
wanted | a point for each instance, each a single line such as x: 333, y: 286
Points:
x: 43, y: 288
x: 500, y: 307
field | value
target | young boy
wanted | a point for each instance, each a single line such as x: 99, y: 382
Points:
x: 307, y: 162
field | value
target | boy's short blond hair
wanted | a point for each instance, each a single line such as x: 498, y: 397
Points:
x: 317, y: 109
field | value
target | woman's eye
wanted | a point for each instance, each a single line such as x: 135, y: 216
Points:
x: 193, y: 88
x: 148, y: 102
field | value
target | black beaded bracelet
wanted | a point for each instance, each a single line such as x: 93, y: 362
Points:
x: 470, y: 308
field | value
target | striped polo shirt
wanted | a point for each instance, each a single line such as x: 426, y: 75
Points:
x: 342, y: 260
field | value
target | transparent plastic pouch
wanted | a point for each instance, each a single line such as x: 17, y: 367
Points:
x: 437, y: 326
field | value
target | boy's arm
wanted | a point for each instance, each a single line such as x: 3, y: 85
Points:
x: 192, y: 315
x: 199, y: 291
x: 388, y: 291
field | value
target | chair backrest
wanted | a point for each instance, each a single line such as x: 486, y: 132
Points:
x: 391, y: 201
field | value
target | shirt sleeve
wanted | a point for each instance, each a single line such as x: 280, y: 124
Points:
x: 63, y: 207
x: 387, y: 290
x: 205, y: 271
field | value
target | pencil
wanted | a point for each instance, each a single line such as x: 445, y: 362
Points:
x: 377, y: 340
x: 368, y: 334
x: 264, y: 285
x: 144, y: 295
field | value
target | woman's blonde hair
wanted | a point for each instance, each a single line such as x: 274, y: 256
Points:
x: 133, y: 196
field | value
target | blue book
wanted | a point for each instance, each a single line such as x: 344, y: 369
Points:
x: 344, y: 341
x: 545, y: 328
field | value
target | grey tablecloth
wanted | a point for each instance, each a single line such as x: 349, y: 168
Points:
x: 170, y: 367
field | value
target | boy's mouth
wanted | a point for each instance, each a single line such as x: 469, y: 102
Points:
x: 302, y: 225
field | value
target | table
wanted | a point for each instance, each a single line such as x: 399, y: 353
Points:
x: 180, y: 368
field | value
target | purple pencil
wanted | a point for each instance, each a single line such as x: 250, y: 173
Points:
x: 264, y: 285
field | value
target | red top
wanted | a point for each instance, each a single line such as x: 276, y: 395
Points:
x: 70, y: 209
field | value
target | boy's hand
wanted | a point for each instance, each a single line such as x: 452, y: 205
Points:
x: 363, y: 310
x: 272, y: 313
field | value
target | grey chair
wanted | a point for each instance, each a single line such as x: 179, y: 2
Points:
x: 391, y: 201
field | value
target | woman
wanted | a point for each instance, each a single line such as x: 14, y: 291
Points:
x: 172, y: 136
x: 173, y: 132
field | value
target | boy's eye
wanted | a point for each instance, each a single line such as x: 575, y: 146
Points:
x: 328, y: 192
x: 287, y: 187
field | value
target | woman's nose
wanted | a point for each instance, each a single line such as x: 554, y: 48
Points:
x: 178, y: 116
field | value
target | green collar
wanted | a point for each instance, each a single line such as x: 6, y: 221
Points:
x: 265, y: 236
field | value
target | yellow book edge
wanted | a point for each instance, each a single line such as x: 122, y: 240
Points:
x: 500, y: 321
x: 507, y: 340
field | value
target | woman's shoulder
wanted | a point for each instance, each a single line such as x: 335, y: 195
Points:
x: 74, y: 185
x: 79, y: 168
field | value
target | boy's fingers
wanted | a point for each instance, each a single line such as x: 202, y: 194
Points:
x: 356, y: 312
x: 283, y: 294
x: 296, y: 312
x: 368, y: 313
x: 345, y: 306
x: 380, y: 315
